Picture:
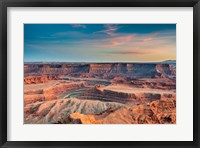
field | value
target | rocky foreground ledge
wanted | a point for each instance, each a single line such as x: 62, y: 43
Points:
x: 75, y: 111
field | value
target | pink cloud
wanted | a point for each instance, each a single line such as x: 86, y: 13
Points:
x: 146, y: 47
x: 117, y: 41
x: 110, y: 29
x: 147, y: 39
x: 129, y: 52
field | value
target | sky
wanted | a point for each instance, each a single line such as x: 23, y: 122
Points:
x: 99, y: 42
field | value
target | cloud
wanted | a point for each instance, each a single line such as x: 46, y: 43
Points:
x: 147, y: 41
x: 116, y: 41
x: 127, y: 52
x: 71, y: 34
x: 109, y: 29
x: 78, y: 26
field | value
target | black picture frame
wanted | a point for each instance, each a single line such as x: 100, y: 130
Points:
x: 4, y: 4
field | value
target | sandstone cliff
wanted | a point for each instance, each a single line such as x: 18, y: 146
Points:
x: 106, y: 70
x: 49, y: 91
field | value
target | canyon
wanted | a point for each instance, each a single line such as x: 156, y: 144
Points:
x: 99, y: 93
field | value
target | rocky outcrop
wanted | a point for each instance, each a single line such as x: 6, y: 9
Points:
x: 55, y: 69
x: 108, y: 95
x: 74, y: 111
x: 103, y: 93
x: 28, y: 99
x: 39, y: 79
x: 166, y: 71
x: 51, y: 92
x: 165, y: 110
x: 58, y: 111
x: 63, y: 87
x: 158, y: 112
x: 165, y: 84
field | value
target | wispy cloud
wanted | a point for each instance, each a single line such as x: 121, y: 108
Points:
x: 156, y: 39
x: 127, y: 52
x: 116, y: 41
x: 109, y: 29
x: 78, y: 26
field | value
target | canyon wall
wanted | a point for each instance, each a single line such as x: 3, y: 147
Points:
x: 128, y: 69
x: 55, y: 68
x: 107, y: 95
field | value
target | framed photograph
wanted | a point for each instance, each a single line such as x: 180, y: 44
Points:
x: 100, y: 73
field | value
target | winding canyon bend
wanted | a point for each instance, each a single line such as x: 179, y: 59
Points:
x: 100, y: 93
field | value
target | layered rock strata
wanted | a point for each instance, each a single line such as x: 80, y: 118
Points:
x: 58, y: 111
x: 130, y: 94
x: 99, y: 93
x: 158, y: 112
x: 51, y: 92
x: 39, y: 79
x: 149, y: 70
x: 74, y: 111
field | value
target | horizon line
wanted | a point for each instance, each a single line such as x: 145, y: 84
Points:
x: 97, y: 62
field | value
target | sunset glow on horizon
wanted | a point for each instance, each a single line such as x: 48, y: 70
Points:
x: 99, y: 42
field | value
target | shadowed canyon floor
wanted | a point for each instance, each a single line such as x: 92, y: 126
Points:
x: 99, y: 93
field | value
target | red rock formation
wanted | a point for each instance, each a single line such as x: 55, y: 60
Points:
x: 58, y: 111
x: 74, y: 111
x: 28, y: 99
x: 133, y: 93
x: 63, y: 87
x: 142, y: 114
x: 39, y: 79
x: 149, y: 70
x: 157, y: 83
x: 50, y: 92
x: 108, y: 94
x: 55, y: 68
